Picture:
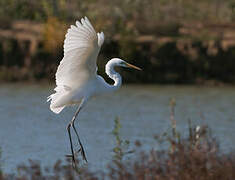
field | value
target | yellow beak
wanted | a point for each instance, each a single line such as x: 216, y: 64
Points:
x: 133, y: 67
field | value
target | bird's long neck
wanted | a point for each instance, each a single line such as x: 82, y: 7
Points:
x: 115, y: 76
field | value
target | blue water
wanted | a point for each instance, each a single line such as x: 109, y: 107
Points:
x: 29, y: 130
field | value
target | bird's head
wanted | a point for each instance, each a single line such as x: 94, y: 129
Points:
x: 122, y: 63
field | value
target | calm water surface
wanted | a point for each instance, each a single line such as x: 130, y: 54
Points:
x: 29, y: 130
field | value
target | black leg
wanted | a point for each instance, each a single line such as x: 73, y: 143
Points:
x: 70, y: 138
x: 71, y: 145
x: 79, y: 141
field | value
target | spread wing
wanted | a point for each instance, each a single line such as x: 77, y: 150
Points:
x: 81, y: 48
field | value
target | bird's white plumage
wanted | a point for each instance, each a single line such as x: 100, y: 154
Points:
x: 76, y: 76
x: 81, y: 47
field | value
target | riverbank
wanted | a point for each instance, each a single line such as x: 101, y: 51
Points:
x: 178, y: 59
x: 182, y: 42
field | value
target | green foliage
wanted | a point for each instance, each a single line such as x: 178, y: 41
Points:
x: 32, y: 10
x: 137, y: 11
x: 122, y: 146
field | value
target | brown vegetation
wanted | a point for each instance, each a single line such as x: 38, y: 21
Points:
x: 192, y: 158
x: 179, y: 41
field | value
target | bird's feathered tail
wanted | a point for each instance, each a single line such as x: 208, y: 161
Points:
x: 57, y: 99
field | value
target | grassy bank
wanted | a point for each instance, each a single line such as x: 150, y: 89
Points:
x: 179, y: 41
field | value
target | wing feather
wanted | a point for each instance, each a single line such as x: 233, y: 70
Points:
x: 81, y: 47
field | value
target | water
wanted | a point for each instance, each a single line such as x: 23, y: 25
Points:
x: 29, y: 130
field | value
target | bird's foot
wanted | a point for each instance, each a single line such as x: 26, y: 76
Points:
x: 81, y: 150
x: 82, y: 153
x: 74, y: 159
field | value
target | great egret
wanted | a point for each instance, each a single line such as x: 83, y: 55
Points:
x: 76, y: 76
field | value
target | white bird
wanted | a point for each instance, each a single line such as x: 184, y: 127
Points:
x: 76, y: 77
